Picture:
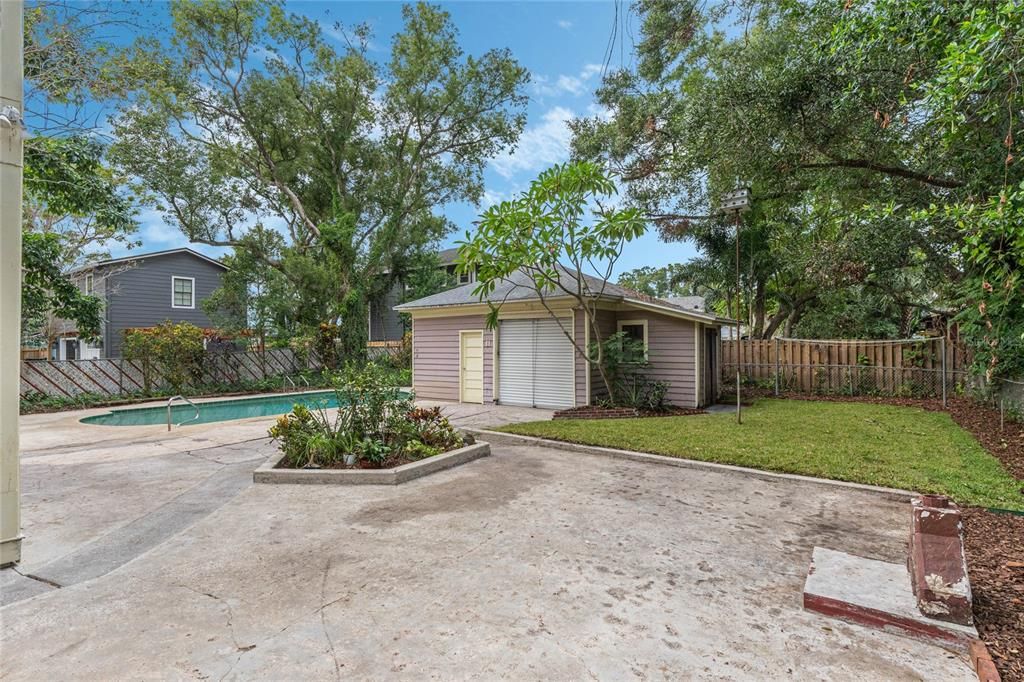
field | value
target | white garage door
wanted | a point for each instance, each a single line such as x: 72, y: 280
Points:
x: 535, y: 363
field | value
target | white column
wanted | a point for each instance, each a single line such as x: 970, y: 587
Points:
x: 11, y: 74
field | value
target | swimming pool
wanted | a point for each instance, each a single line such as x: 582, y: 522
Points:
x: 214, y: 410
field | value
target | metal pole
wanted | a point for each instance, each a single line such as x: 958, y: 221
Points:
x: 739, y: 345
x: 943, y: 346
x: 11, y: 146
x: 776, y: 367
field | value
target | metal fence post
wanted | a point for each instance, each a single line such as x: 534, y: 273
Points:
x: 776, y: 367
x: 943, y: 347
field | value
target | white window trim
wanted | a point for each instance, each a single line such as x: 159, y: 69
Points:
x: 184, y: 307
x: 89, y: 284
x: 640, y: 323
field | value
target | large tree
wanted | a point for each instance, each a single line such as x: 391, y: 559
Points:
x: 855, y: 124
x: 259, y: 118
x: 75, y: 207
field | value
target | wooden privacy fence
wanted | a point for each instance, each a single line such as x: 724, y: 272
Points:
x: 903, y: 367
x: 117, y: 376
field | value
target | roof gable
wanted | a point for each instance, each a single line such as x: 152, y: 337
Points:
x: 149, y: 256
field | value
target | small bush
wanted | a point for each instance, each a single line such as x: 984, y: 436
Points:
x: 172, y: 352
x: 374, y: 421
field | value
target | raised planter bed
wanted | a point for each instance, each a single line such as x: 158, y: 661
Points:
x: 269, y: 472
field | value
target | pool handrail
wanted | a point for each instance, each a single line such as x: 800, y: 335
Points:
x: 304, y: 380
x: 181, y: 397
x: 289, y: 380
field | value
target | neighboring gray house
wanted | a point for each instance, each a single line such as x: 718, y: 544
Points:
x: 528, y: 360
x: 141, y: 291
x: 385, y: 324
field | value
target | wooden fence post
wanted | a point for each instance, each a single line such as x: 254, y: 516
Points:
x: 776, y: 367
x: 943, y: 346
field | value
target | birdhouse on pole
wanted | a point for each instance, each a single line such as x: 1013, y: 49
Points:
x: 736, y: 201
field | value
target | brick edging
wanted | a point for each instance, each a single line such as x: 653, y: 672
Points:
x: 982, y: 662
x: 500, y: 437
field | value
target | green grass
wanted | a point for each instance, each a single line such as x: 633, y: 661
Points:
x: 885, y: 445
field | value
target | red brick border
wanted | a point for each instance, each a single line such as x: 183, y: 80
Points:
x: 937, y: 563
x: 881, y: 620
x: 982, y: 662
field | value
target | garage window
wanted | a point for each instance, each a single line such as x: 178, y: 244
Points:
x: 635, y: 330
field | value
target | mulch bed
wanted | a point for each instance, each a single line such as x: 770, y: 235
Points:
x: 389, y: 463
x: 994, y: 541
x: 596, y: 412
x: 995, y: 563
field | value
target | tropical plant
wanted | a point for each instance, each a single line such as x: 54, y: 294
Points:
x: 547, y: 235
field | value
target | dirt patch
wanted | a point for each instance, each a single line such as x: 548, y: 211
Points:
x: 995, y: 551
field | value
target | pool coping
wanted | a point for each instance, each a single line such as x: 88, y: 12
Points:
x: 269, y: 473
x: 161, y: 404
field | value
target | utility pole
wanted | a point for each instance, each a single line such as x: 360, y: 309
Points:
x: 11, y: 141
x: 737, y: 202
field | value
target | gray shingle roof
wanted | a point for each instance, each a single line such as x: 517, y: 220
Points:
x: 518, y: 287
x: 689, y: 302
x: 448, y: 256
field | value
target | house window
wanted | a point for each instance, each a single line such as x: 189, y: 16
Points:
x: 183, y: 293
x: 88, y: 285
x: 635, y: 330
x: 465, y: 277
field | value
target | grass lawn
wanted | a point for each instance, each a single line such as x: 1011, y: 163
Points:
x: 899, y: 447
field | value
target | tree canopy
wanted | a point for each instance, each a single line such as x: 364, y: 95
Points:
x: 867, y: 131
x: 259, y: 120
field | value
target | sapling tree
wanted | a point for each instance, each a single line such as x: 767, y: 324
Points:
x: 560, y: 240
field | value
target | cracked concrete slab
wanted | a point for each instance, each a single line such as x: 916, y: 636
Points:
x: 532, y: 563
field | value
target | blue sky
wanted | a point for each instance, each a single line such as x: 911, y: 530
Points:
x: 562, y: 44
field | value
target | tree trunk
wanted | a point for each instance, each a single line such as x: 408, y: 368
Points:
x: 760, y: 302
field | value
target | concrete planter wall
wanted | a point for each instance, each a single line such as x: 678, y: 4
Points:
x: 268, y: 473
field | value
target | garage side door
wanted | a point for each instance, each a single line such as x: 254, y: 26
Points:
x: 535, y: 364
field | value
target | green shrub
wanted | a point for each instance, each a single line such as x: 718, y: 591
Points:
x: 432, y: 428
x: 375, y: 422
x: 625, y: 362
x: 170, y: 352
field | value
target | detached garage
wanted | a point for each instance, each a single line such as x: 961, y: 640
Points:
x: 529, y: 360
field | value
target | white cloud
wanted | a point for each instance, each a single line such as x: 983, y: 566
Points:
x: 564, y: 23
x: 494, y: 197
x: 564, y: 83
x: 540, y: 146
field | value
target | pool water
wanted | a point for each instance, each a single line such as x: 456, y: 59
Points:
x: 214, y: 411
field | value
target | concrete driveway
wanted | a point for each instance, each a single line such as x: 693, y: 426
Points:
x: 532, y: 563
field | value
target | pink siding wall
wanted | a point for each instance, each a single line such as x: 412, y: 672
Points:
x: 580, y: 332
x: 435, y: 356
x: 670, y: 352
x: 606, y: 322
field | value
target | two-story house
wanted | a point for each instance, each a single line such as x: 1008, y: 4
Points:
x: 385, y: 324
x: 140, y: 291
